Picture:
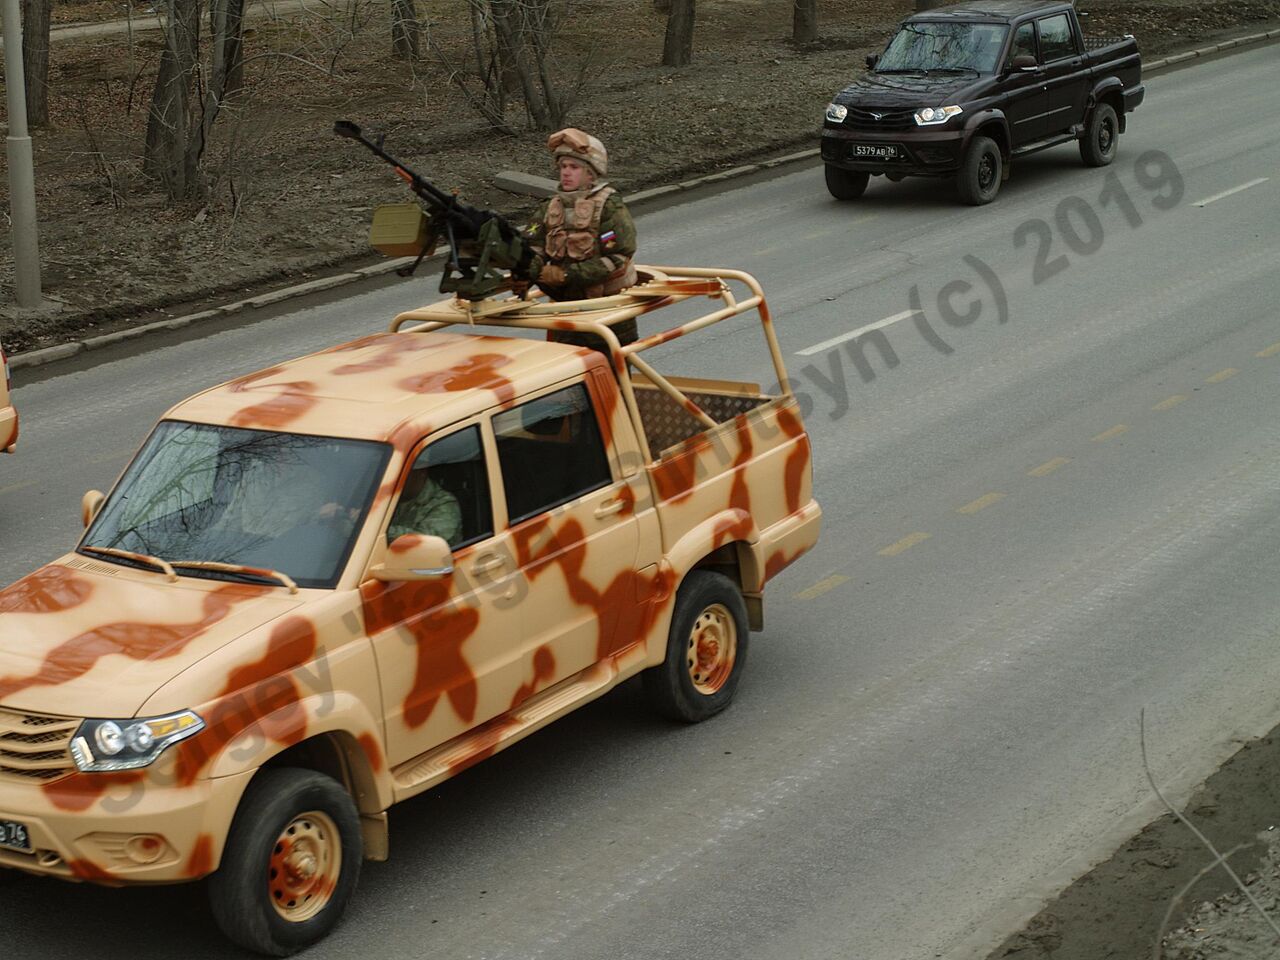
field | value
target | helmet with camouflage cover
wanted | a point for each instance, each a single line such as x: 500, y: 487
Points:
x: 581, y: 146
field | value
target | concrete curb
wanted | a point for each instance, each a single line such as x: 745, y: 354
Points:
x: 35, y: 358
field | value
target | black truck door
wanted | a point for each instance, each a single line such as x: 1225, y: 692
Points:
x: 1065, y: 73
x: 1027, y: 99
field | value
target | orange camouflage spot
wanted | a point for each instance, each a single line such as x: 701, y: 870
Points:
x: 479, y: 372
x: 371, y: 749
x: 291, y: 404
x: 90, y: 871
x: 544, y: 669
x: 797, y: 459
x: 261, y: 694
x: 440, y: 625
x: 80, y: 791
x: 50, y: 589
x: 200, y: 863
x: 140, y: 641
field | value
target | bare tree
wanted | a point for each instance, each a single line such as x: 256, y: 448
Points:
x: 404, y: 29
x: 170, y: 128
x: 804, y: 21
x: 516, y: 53
x: 677, y: 48
x: 35, y: 58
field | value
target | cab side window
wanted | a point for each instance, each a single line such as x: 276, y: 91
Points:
x: 446, y: 493
x: 550, y: 452
x: 1024, y: 42
x: 1055, y: 38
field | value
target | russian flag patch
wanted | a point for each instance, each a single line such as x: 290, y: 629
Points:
x: 607, y: 238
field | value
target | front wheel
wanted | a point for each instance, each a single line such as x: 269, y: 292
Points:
x: 846, y: 184
x: 706, y: 650
x: 290, y: 864
x: 1101, y: 137
x: 978, y: 181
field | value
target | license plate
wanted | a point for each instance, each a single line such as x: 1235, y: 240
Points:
x: 13, y: 836
x: 882, y: 152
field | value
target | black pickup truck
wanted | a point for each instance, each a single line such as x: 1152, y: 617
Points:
x: 962, y: 90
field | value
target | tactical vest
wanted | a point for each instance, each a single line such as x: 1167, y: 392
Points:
x: 574, y: 236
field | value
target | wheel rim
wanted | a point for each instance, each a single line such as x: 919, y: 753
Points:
x: 712, y: 649
x: 304, y: 867
x: 986, y: 172
x: 1106, y: 136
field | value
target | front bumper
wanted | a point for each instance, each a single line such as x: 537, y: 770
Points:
x: 922, y: 152
x: 119, y: 829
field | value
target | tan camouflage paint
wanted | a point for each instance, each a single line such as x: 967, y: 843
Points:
x: 413, y: 681
x: 8, y: 415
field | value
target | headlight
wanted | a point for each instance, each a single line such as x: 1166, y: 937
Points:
x: 103, y: 745
x: 932, y: 115
x: 836, y: 112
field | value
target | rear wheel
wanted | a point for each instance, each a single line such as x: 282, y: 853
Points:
x: 290, y: 864
x: 978, y: 181
x: 1101, y: 136
x: 846, y: 184
x: 706, y: 650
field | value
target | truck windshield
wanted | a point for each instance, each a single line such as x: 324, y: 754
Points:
x: 279, y: 501
x: 944, y: 46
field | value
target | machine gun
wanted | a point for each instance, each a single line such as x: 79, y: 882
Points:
x: 481, y: 242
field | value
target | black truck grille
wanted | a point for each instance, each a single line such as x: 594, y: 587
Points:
x: 860, y: 118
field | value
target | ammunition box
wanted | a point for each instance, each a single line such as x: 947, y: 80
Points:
x: 398, y: 230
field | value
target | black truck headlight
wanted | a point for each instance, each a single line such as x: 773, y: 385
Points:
x: 836, y: 112
x: 100, y: 746
x: 934, y: 115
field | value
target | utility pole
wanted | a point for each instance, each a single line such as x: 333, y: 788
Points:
x: 22, y: 180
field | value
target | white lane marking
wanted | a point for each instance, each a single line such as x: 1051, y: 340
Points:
x: 852, y: 334
x: 1227, y: 193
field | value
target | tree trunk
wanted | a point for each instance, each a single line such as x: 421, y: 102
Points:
x: 167, y: 154
x: 662, y: 6
x: 677, y: 49
x: 404, y: 29
x: 233, y: 51
x: 35, y: 59
x: 804, y: 21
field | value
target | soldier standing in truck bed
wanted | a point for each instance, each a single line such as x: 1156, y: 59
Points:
x: 585, y: 239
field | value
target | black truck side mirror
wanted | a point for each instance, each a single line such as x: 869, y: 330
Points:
x: 872, y: 60
x: 1023, y: 62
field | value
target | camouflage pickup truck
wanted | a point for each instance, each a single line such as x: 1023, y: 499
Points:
x: 325, y: 587
x: 8, y: 415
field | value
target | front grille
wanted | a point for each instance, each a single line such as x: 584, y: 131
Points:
x: 859, y: 118
x: 33, y: 747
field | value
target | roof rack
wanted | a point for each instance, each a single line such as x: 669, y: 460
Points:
x: 658, y: 287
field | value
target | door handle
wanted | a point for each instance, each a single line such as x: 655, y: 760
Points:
x: 491, y: 562
x: 609, y: 507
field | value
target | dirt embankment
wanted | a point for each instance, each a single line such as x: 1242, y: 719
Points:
x: 288, y: 199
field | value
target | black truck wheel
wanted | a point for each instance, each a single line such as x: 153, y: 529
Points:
x: 706, y: 650
x: 978, y: 181
x: 290, y: 864
x: 846, y: 184
x: 1101, y: 136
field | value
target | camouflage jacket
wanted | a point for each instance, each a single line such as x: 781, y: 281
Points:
x: 616, y: 239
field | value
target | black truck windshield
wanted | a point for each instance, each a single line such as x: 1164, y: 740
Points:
x: 278, y: 501
x: 943, y: 46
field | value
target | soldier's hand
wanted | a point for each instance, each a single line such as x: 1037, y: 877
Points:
x: 552, y: 275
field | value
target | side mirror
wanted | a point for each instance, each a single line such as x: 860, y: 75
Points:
x: 872, y: 60
x: 90, y: 504
x: 415, y: 556
x: 1023, y: 62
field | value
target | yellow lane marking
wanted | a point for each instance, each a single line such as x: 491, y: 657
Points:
x: 906, y: 543
x: 1114, y: 432
x: 981, y: 503
x: 1172, y: 402
x: 1271, y: 351
x: 1221, y: 375
x: 822, y: 586
x: 1048, y: 467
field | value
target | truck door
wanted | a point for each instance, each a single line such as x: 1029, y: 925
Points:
x: 574, y: 526
x: 1027, y: 99
x: 1064, y: 73
x: 448, y: 649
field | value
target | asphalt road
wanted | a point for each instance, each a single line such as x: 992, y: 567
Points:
x: 1071, y: 516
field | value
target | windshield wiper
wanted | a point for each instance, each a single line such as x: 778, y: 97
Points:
x: 903, y: 70
x: 144, y: 558
x: 973, y: 70
x: 260, y: 573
